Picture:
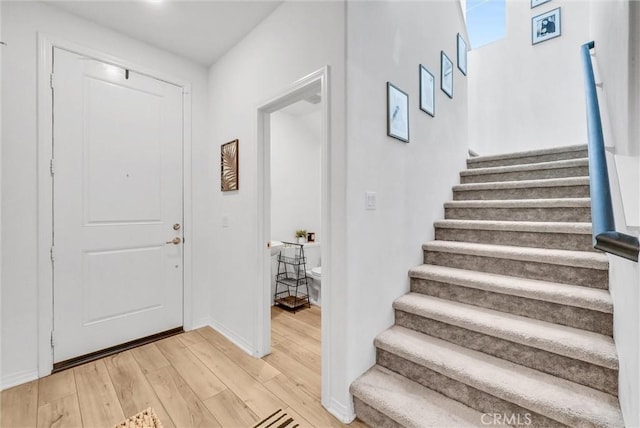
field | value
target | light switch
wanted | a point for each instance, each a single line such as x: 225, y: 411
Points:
x: 370, y: 200
x: 225, y: 221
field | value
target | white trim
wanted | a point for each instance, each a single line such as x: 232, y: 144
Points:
x: 201, y: 322
x: 341, y: 412
x: 46, y: 44
x: 18, y: 378
x: 318, y: 80
x: 233, y: 338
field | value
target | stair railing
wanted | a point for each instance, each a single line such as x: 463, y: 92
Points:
x: 604, y: 233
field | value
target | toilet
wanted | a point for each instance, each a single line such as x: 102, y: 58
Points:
x: 315, y: 275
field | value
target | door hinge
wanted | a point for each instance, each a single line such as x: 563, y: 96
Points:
x: 53, y: 341
x: 53, y: 254
x: 51, y: 80
x: 52, y: 166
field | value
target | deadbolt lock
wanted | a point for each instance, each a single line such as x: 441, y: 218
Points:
x: 176, y: 226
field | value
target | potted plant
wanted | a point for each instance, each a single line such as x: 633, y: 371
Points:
x: 301, y: 236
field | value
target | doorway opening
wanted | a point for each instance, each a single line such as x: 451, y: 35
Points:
x: 293, y: 177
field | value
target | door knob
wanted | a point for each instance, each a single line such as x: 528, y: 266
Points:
x: 174, y: 241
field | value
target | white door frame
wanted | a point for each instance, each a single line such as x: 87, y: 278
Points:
x: 315, y: 82
x: 46, y: 44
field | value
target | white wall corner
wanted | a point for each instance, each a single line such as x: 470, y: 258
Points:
x: 344, y: 413
x: 200, y: 322
x: 234, y: 338
x: 19, y: 378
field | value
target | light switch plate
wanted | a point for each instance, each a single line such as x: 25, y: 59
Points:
x: 371, y: 200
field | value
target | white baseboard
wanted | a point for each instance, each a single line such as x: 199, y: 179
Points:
x: 201, y: 322
x: 19, y: 378
x: 344, y: 414
x: 238, y: 341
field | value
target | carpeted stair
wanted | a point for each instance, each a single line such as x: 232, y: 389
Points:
x: 509, y: 320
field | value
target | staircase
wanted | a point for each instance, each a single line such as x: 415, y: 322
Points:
x: 509, y: 321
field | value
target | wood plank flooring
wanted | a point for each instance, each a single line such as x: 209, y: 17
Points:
x: 195, y: 379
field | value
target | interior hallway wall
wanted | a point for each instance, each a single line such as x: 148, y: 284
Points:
x: 386, y: 41
x: 296, y: 179
x: 614, y: 28
x: 297, y: 39
x: 524, y: 96
x: 21, y: 21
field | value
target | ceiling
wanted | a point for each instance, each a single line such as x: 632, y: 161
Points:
x: 201, y: 31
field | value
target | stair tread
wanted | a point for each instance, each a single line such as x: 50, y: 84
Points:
x: 559, y: 164
x: 522, y: 203
x: 528, y: 153
x: 565, y: 294
x: 583, y: 228
x: 570, y: 342
x: 523, y: 184
x: 583, y: 259
x: 562, y: 400
x: 409, y: 403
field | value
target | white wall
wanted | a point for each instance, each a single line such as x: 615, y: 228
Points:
x: 614, y: 29
x: 386, y: 41
x: 524, y: 96
x: 297, y: 39
x: 1, y: 57
x: 20, y: 23
x: 296, y: 159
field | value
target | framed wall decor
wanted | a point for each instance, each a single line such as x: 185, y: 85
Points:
x: 397, y: 113
x: 462, y: 54
x: 427, y: 91
x: 546, y: 26
x: 229, y: 166
x: 535, y: 3
x: 446, y: 74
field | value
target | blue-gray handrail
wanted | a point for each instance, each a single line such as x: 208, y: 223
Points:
x: 605, y: 237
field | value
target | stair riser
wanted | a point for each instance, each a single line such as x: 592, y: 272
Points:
x: 520, y: 214
x: 523, y: 193
x: 524, y: 269
x: 560, y: 241
x: 470, y: 396
x: 372, y: 417
x: 537, y: 174
x: 528, y: 159
x: 571, y: 369
x: 571, y: 316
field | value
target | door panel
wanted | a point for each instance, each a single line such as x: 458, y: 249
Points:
x: 117, y: 194
x: 123, y: 156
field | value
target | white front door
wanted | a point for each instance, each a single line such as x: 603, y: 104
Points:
x: 117, y: 186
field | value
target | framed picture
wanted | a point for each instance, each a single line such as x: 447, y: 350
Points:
x: 427, y: 91
x: 229, y: 166
x: 446, y: 74
x: 545, y: 26
x: 535, y: 3
x: 397, y: 113
x: 462, y: 55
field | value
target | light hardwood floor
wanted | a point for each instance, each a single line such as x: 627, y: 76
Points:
x: 195, y: 379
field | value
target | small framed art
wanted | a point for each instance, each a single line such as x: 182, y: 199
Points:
x: 229, y: 166
x: 397, y: 113
x: 535, y: 3
x: 546, y: 26
x: 427, y: 91
x: 462, y: 54
x: 446, y: 74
